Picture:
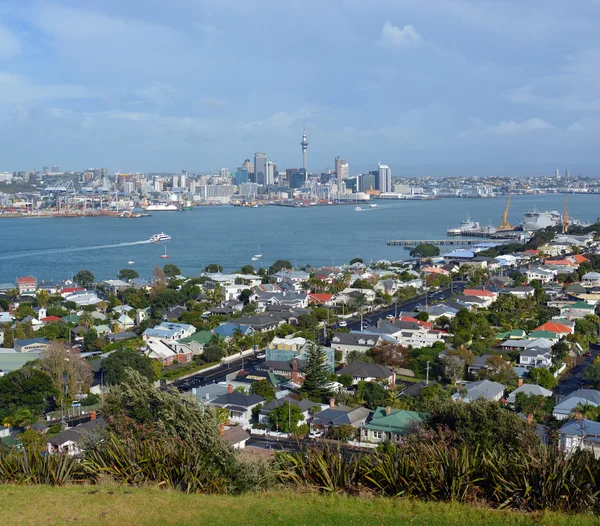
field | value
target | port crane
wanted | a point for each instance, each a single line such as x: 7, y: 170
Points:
x: 505, y: 224
x: 566, y: 216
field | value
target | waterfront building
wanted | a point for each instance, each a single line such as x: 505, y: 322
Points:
x: 260, y: 168
x: 27, y: 285
x: 297, y: 180
x: 384, y: 178
x: 271, y: 170
x: 341, y: 171
x: 366, y: 182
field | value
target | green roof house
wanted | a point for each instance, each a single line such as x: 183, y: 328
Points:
x: 549, y: 335
x: 71, y: 318
x: 515, y: 334
x: 390, y: 425
x: 197, y: 341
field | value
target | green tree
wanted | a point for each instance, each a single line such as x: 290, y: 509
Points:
x: 356, y: 260
x: 543, y: 377
x: 247, y: 269
x: 561, y: 349
x: 285, y: 418
x: 127, y: 274
x: 537, y: 405
x: 358, y: 356
x: 42, y: 297
x: 373, y: 394
x: 278, y: 265
x: 245, y: 296
x: 265, y: 389
x: 345, y: 379
x: 425, y: 250
x: 9, y: 337
x: 171, y: 270
x: 213, y: 268
x: 85, y: 278
x: 23, y: 310
x: 116, y: 364
x: 159, y: 281
x: 213, y: 353
x: 316, y: 380
x: 342, y: 433
x: 90, y: 340
x: 27, y: 388
x: 592, y: 374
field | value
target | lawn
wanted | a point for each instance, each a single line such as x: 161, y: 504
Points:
x: 116, y: 505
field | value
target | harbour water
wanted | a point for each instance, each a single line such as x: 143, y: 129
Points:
x: 56, y: 248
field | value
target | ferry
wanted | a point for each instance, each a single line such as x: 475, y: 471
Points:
x: 374, y: 205
x: 159, y: 237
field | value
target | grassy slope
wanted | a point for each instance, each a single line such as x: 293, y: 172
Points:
x: 115, y: 505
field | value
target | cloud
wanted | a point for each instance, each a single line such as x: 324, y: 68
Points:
x: 534, y: 124
x: 9, y: 45
x: 393, y: 36
x: 18, y: 89
x: 213, y: 101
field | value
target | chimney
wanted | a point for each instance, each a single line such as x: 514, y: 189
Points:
x: 230, y: 389
x: 92, y: 415
x: 520, y: 382
x: 222, y: 429
x: 295, y: 371
x: 332, y: 402
x: 388, y: 410
x: 530, y: 419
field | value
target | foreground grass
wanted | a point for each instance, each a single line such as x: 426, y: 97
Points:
x: 116, y: 505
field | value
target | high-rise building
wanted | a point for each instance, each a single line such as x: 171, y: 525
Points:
x: 55, y: 169
x: 182, y: 180
x: 567, y: 173
x: 366, y: 182
x: 224, y: 172
x: 260, y: 168
x: 175, y: 181
x: 241, y: 175
x: 249, y: 165
x: 304, y: 145
x: 271, y: 171
x: 384, y: 178
x: 557, y: 173
x: 341, y: 171
x: 297, y: 179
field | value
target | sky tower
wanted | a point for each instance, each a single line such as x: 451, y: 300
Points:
x: 304, y: 145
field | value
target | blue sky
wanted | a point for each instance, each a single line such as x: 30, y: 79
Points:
x: 202, y: 84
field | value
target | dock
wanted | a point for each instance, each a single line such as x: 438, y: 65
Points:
x: 416, y: 242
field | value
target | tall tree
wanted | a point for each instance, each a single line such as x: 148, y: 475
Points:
x: 84, y: 278
x: 127, y: 273
x: 316, y: 380
x: 285, y: 418
x: 116, y: 364
x: 159, y: 281
x: 171, y: 270
x: 28, y: 388
x: 42, y: 298
x: 265, y: 389
x: 70, y: 373
x: 9, y: 337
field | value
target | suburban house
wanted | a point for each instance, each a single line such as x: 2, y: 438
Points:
x: 208, y: 393
x: 591, y: 279
x: 580, y: 434
x: 293, y: 369
x: 166, y: 352
x: 321, y: 299
x: 557, y: 328
x: 337, y: 415
x: 196, y: 342
x: 543, y: 276
x: 304, y: 405
x: 576, y: 311
x: 239, y: 405
x: 390, y: 425
x: 68, y: 440
x: 31, y: 344
x: 347, y: 342
x: 368, y: 372
x: 486, y: 389
x: 567, y: 406
x: 235, y: 436
x: 228, y: 330
x: 535, y: 357
x: 483, y: 294
x: 295, y: 276
x: 529, y: 390
x: 27, y: 285
x: 521, y: 292
x: 169, y: 331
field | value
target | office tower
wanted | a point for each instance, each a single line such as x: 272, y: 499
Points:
x: 271, y: 170
x: 55, y: 169
x: 557, y: 173
x: 367, y: 182
x: 297, y: 179
x: 341, y: 171
x: 249, y: 165
x: 224, y: 172
x: 260, y: 168
x: 182, y: 180
x: 384, y: 178
x: 175, y: 181
x: 567, y: 173
x: 304, y: 145
x: 241, y: 175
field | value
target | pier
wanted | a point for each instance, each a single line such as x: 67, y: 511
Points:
x: 416, y: 242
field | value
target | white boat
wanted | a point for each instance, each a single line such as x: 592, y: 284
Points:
x: 259, y: 255
x: 358, y: 209
x: 159, y: 237
x: 374, y: 205
x: 130, y: 262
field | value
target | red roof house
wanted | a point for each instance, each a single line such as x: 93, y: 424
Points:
x: 557, y: 328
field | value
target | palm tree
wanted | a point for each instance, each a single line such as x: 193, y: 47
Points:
x: 86, y: 320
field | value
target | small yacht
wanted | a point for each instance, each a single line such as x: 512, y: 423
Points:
x: 159, y: 237
x: 258, y: 255
x: 130, y: 262
x: 165, y: 255
x: 358, y: 209
x: 374, y: 205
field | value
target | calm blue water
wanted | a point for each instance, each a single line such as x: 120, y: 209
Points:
x: 56, y: 248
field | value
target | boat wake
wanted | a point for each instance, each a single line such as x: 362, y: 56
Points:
x: 31, y: 253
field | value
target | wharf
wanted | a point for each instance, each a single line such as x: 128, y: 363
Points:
x: 416, y: 242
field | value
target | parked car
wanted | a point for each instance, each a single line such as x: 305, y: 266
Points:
x: 389, y: 316
x: 261, y: 355
x: 315, y: 434
x: 343, y: 323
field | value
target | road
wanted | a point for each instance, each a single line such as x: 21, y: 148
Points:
x: 574, y: 380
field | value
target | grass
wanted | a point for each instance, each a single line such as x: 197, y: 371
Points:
x: 408, y: 378
x: 115, y: 505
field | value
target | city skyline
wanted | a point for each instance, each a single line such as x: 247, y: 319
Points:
x: 125, y: 87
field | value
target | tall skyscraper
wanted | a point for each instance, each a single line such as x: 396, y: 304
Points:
x: 224, y: 172
x: 241, y: 175
x: 249, y: 165
x: 384, y: 178
x: 557, y: 173
x: 271, y: 170
x: 260, y: 168
x: 304, y: 145
x: 341, y: 171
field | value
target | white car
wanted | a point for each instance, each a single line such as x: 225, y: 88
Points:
x: 315, y: 434
x: 261, y: 355
x: 343, y: 323
x: 390, y: 316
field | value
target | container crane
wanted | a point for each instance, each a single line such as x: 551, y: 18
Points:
x: 566, y: 216
x: 505, y: 224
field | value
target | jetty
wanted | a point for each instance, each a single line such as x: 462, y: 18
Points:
x: 416, y: 242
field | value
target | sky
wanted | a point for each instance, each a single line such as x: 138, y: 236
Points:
x: 436, y: 86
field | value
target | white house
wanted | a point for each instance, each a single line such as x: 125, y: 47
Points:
x: 239, y: 405
x: 591, y: 279
x: 580, y: 434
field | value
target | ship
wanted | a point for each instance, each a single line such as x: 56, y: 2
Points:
x: 162, y: 208
x: 159, y: 237
x: 535, y: 220
x: 471, y: 228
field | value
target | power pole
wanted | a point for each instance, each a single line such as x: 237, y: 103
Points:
x: 427, y: 380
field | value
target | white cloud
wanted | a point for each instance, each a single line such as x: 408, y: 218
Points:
x: 17, y: 89
x: 393, y: 36
x: 534, y: 124
x: 9, y: 45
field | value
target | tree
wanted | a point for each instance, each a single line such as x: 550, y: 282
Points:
x: 245, y: 296
x: 543, y: 377
x: 27, y: 388
x: 70, y: 373
x: 265, y: 389
x: 171, y: 271
x: 358, y: 356
x: 213, y: 268
x: 356, y: 260
x: 23, y: 310
x: 390, y: 354
x: 90, y: 340
x: 84, y: 278
x: 127, y: 274
x: 213, y: 353
x: 316, y: 380
x: 432, y: 395
x: 86, y: 320
x: 346, y: 380
x: 285, y: 418
x: 342, y: 433
x: 537, y: 405
x: 373, y: 394
x: 592, y: 374
x: 454, y: 368
x: 42, y: 297
x: 499, y: 370
x: 278, y: 265
x: 159, y: 281
x: 247, y: 269
x: 425, y: 250
x: 423, y: 316
x: 9, y: 337
x: 116, y: 364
